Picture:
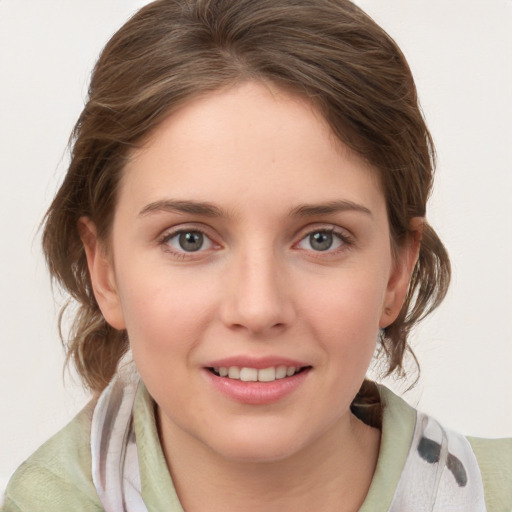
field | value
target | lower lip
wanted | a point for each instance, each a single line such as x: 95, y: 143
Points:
x: 257, y: 393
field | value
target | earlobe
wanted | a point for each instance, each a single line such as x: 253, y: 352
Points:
x: 398, y: 283
x: 101, y: 272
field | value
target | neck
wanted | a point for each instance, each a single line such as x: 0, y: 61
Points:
x: 331, y: 474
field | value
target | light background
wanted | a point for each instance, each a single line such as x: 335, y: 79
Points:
x: 461, y: 55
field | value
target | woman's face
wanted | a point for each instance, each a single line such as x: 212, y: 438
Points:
x: 248, y: 241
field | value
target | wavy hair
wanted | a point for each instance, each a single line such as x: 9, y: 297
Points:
x: 328, y: 51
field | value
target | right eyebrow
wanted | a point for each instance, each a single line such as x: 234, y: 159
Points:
x: 310, y: 210
x: 178, y: 206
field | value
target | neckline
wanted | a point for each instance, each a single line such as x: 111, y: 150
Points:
x: 398, y: 423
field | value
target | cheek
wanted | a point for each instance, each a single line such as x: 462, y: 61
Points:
x: 344, y: 318
x: 164, y: 313
x: 350, y: 303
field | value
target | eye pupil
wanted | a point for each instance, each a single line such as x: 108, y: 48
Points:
x: 321, y: 240
x: 191, y: 241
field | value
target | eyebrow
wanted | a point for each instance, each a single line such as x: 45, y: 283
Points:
x: 210, y: 210
x: 192, y: 207
x: 310, y: 210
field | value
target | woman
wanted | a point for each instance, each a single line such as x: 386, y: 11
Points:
x: 245, y: 212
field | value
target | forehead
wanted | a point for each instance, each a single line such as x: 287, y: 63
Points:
x: 232, y: 143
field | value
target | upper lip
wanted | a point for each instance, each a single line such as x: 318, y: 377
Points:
x: 255, y: 362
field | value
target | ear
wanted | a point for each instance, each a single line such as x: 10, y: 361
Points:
x: 101, y: 272
x: 398, y: 284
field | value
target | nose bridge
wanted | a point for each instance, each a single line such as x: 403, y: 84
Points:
x: 257, y: 299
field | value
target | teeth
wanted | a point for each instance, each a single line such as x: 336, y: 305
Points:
x: 290, y: 371
x: 254, y: 375
x: 234, y: 372
x: 249, y: 374
x: 281, y: 372
x: 267, y: 375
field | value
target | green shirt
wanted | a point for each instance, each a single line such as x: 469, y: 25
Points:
x: 57, y: 477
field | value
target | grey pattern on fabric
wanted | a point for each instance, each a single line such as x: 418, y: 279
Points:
x: 440, y: 474
x: 115, y: 464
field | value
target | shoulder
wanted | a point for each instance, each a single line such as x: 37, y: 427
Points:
x: 57, y: 476
x: 461, y: 469
x: 495, y: 461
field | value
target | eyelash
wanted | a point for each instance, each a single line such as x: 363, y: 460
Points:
x: 168, y: 236
x: 346, y: 241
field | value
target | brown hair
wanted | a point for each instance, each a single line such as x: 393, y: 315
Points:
x: 329, y: 51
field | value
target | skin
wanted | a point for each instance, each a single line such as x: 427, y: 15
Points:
x: 257, y: 287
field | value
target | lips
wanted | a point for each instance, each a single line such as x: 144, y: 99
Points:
x: 246, y: 374
x: 256, y: 381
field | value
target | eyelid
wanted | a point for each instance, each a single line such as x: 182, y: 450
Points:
x: 344, y: 234
x: 171, y: 232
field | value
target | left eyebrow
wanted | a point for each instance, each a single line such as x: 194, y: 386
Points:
x: 310, y: 210
x: 176, y: 206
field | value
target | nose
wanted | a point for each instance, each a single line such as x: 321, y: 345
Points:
x: 257, y: 297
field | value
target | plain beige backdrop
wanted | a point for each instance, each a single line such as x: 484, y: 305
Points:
x: 461, y: 54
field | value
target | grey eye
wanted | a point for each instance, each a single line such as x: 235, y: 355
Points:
x: 188, y: 241
x: 321, y: 240
x: 191, y: 241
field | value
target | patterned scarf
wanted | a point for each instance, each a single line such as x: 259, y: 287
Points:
x: 441, y: 473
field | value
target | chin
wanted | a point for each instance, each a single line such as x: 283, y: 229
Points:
x: 259, y: 453
x: 259, y: 445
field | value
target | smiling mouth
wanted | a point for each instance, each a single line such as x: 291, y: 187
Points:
x: 269, y: 374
